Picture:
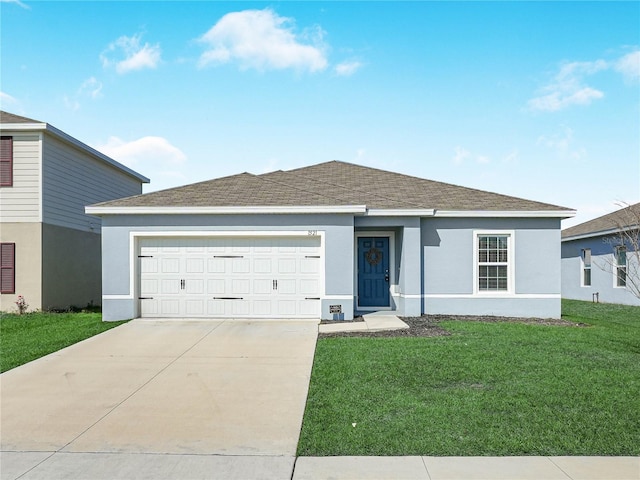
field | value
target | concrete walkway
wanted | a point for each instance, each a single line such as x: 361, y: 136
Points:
x: 161, y: 399
x: 374, y: 322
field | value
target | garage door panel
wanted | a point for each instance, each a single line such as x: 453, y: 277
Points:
x: 215, y: 265
x: 262, y: 286
x: 239, y: 307
x: 216, y: 286
x: 286, y: 307
x: 148, y: 264
x: 309, y: 286
x: 215, y: 307
x: 241, y: 286
x: 195, y: 265
x: 263, y: 265
x: 287, y: 286
x: 286, y: 265
x: 262, y: 307
x: 309, y: 307
x: 170, y: 265
x: 195, y: 307
x: 149, y: 287
x: 310, y: 265
x: 169, y: 307
x: 170, y: 286
x: 149, y: 308
x: 253, y: 276
x: 240, y: 265
x: 194, y: 286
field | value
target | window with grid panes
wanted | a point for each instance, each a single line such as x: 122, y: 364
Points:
x: 493, y: 263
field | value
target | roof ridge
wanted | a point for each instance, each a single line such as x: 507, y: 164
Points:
x: 433, y: 182
x: 343, y: 187
x: 329, y: 197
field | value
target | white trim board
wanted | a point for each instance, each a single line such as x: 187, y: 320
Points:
x: 491, y: 296
x: 98, y: 211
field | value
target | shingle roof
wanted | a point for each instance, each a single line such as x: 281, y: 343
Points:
x: 626, y: 218
x: 332, y: 183
x: 6, y: 117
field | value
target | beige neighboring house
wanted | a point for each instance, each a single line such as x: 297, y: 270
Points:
x: 50, y: 250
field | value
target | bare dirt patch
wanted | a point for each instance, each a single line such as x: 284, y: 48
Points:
x: 429, y: 325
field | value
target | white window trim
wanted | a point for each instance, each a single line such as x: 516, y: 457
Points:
x: 511, y: 248
x: 584, y: 267
x: 616, y: 266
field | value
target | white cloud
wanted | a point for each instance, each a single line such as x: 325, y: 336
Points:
x: 150, y: 153
x: 460, y: 155
x: 128, y: 54
x: 346, y: 69
x: 568, y: 88
x: 91, y: 87
x: 6, y: 99
x: 561, y: 99
x: 563, y: 144
x: 262, y: 40
x: 629, y: 66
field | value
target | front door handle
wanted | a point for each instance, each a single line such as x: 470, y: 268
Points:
x: 386, y: 276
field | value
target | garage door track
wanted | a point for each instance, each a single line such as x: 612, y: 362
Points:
x: 161, y: 399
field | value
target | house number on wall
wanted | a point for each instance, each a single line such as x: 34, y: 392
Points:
x: 313, y: 233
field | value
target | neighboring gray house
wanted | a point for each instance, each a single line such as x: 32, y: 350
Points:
x: 49, y: 247
x: 326, y: 241
x: 594, y: 260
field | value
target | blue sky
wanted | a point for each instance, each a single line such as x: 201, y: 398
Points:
x: 539, y: 100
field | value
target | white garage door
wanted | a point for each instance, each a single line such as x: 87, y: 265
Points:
x: 270, y: 277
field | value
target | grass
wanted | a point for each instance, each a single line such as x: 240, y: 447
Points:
x: 488, y: 389
x: 24, y: 338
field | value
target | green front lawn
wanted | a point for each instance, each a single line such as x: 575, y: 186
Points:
x: 488, y: 389
x: 26, y: 337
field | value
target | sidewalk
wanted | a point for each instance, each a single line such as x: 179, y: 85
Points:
x: 467, y: 468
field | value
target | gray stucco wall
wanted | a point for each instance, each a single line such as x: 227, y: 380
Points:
x: 338, y: 231
x: 448, y: 267
x: 602, y: 277
x: 434, y: 260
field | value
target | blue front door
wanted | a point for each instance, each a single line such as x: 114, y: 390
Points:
x: 373, y: 272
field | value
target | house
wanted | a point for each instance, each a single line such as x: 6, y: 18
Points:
x: 326, y: 241
x: 601, y: 258
x: 50, y: 249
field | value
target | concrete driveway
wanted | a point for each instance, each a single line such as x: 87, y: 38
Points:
x: 161, y: 399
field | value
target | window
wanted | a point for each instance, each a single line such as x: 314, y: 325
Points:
x: 586, y: 267
x: 7, y: 268
x: 621, y: 266
x: 494, y: 262
x: 6, y: 161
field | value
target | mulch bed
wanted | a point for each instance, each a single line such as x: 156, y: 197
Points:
x: 428, y: 325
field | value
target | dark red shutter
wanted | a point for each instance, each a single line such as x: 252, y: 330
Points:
x: 6, y: 161
x: 7, y: 268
